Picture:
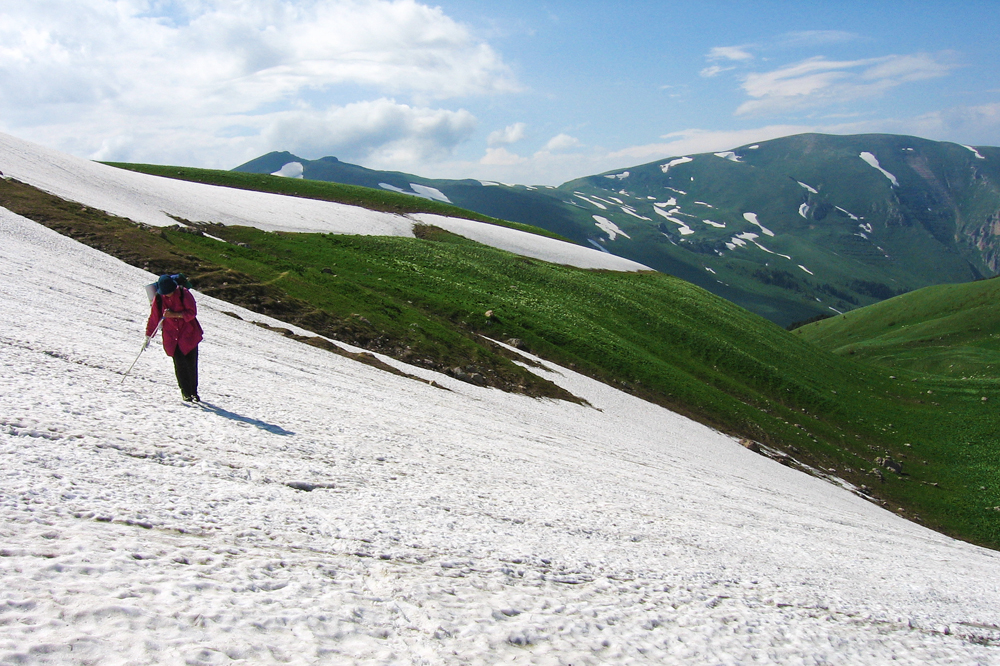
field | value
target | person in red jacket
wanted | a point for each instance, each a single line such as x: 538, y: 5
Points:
x: 175, y: 306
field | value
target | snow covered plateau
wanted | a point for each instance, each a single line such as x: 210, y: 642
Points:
x: 314, y: 510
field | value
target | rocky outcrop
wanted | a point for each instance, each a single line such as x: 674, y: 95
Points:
x: 986, y: 239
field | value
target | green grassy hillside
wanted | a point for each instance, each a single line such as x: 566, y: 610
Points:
x: 830, y: 231
x: 430, y: 300
x: 950, y: 330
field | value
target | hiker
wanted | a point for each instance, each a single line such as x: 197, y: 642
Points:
x: 175, y: 305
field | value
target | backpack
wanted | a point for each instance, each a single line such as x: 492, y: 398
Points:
x: 182, y: 281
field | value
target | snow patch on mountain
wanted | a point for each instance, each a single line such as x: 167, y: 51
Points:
x: 742, y: 239
x: 393, y: 188
x: 683, y: 227
x: 974, y: 151
x: 729, y: 155
x: 590, y: 201
x: 628, y: 210
x: 848, y: 214
x: 752, y: 219
x: 417, y: 190
x: 809, y: 188
x: 675, y: 162
x: 872, y: 161
x: 609, y: 227
x: 429, y: 192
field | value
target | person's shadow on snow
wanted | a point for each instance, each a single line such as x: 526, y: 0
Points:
x: 263, y: 425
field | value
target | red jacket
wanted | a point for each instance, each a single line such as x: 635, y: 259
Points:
x: 185, y: 333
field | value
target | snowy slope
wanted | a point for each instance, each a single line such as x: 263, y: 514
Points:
x: 162, y: 202
x: 459, y: 526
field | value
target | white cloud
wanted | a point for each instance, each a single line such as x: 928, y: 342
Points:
x: 560, y: 143
x: 714, y: 70
x: 380, y: 132
x: 733, y: 53
x: 136, y: 77
x: 510, y: 134
x: 818, y: 82
x: 979, y: 125
x: 501, y: 157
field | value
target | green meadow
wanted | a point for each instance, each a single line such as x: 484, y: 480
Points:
x: 950, y: 330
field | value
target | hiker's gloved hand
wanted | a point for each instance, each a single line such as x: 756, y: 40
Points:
x: 146, y: 343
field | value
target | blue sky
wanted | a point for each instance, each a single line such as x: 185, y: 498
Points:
x: 530, y: 92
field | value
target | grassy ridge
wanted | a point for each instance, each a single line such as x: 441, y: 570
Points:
x: 353, y: 195
x: 950, y: 330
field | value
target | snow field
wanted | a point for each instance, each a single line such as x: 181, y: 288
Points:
x: 448, y: 526
x: 162, y: 202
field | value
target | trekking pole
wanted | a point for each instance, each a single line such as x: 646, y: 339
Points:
x: 144, y: 345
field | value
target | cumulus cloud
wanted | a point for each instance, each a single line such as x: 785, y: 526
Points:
x: 508, y: 135
x: 550, y: 162
x: 818, y: 81
x: 560, y: 143
x: 501, y: 157
x: 380, y: 131
x: 109, y: 74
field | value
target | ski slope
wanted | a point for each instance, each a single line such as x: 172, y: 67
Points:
x: 454, y: 525
x: 163, y: 202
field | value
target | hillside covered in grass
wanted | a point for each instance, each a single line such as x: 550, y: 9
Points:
x: 950, y: 330
x: 922, y: 445
x: 788, y: 228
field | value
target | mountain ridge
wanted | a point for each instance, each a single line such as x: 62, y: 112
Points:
x: 788, y: 228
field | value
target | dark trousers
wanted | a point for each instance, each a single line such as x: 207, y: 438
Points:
x: 186, y: 369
